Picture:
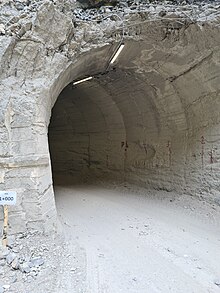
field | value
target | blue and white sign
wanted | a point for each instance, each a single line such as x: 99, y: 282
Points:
x: 8, y: 197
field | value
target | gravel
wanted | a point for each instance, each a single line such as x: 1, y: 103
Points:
x: 16, y: 16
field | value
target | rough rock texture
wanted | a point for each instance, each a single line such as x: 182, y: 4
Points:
x: 154, y: 120
x: 96, y: 3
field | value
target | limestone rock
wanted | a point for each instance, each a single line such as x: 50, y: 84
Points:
x: 15, y: 264
x: 2, y: 29
x: 25, y: 268
x: 10, y: 257
x: 36, y: 261
x: 97, y: 3
x: 4, y: 252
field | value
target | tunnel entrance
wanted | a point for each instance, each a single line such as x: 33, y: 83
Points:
x: 87, y: 135
x: 108, y: 128
x: 141, y: 125
x: 143, y: 121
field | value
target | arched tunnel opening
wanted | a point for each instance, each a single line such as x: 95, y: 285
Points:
x: 113, y: 128
x: 110, y: 128
x: 126, y: 146
x: 87, y: 134
x: 148, y: 119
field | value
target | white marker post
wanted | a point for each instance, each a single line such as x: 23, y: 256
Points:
x: 7, y: 198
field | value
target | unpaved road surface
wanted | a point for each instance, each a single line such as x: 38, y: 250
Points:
x: 140, y: 243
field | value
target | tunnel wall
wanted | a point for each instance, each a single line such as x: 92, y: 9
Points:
x: 86, y: 134
x: 174, y: 68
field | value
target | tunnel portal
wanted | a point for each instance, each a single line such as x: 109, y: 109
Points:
x: 143, y: 121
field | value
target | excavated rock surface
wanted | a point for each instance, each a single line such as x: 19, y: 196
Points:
x: 153, y: 117
x: 165, y: 134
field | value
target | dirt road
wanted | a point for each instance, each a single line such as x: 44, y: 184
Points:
x: 141, y: 243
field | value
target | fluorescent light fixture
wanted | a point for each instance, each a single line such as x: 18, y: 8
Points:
x: 120, y: 48
x: 82, y: 80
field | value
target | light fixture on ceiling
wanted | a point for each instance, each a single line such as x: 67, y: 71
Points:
x: 112, y: 60
x: 117, y: 53
x: 82, y: 80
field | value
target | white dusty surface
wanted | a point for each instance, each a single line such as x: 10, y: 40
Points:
x: 140, y: 243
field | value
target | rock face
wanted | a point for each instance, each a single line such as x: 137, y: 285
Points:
x: 96, y: 3
x: 152, y: 118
